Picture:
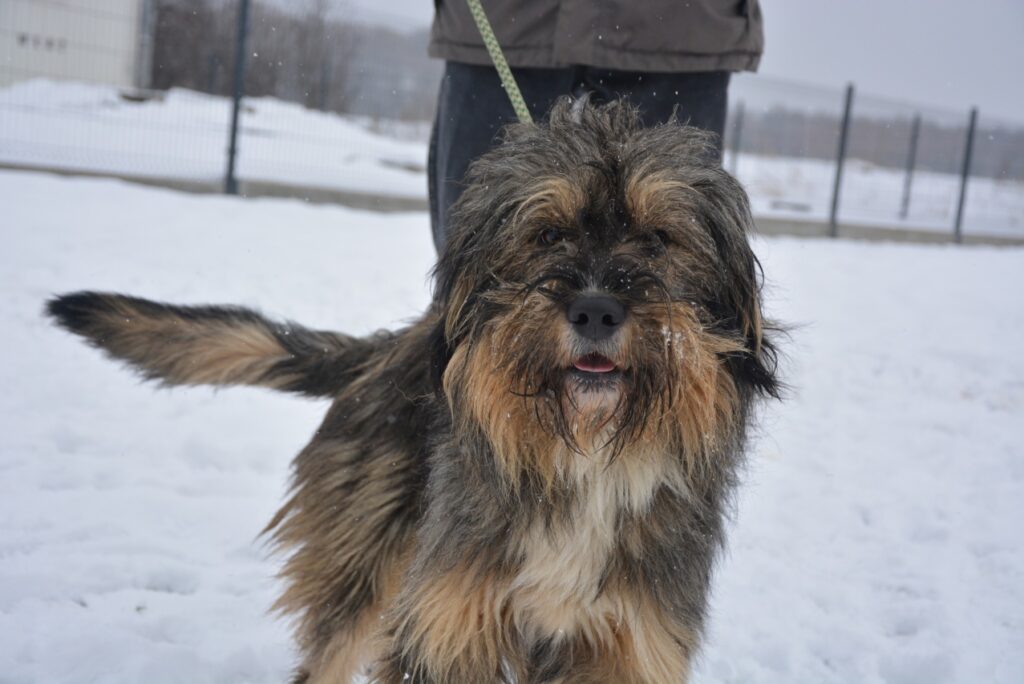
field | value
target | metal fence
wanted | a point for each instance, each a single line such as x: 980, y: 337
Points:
x: 154, y: 90
x: 142, y: 89
x: 848, y: 162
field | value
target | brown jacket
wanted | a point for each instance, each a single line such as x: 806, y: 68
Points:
x: 629, y: 35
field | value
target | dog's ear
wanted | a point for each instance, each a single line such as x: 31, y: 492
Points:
x: 459, y: 276
x: 757, y: 368
x: 462, y: 271
x: 726, y: 214
x: 455, y: 276
x: 440, y: 353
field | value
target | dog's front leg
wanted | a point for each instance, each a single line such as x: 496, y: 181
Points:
x: 448, y: 628
x: 651, y: 654
x: 644, y: 646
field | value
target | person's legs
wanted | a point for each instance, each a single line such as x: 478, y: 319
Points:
x: 472, y: 107
x: 701, y: 97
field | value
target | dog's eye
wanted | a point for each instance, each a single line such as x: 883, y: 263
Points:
x: 657, y: 239
x: 550, y: 236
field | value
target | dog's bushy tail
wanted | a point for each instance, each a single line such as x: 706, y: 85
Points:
x: 213, y: 345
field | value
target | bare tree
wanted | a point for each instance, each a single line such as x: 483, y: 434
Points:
x: 323, y: 44
x: 182, y: 54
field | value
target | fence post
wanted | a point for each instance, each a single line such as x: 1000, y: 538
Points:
x: 965, y: 172
x: 844, y: 132
x: 230, y: 182
x: 325, y: 79
x: 908, y: 179
x: 737, y: 138
x: 147, y: 30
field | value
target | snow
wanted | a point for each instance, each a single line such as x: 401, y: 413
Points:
x: 183, y: 136
x: 877, y: 534
x: 801, y: 189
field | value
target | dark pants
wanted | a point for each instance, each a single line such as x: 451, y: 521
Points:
x: 472, y: 107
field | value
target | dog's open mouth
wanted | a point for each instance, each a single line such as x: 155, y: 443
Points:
x: 595, y: 372
x: 594, y: 363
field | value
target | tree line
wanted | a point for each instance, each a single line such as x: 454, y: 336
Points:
x: 309, y: 53
x: 312, y: 54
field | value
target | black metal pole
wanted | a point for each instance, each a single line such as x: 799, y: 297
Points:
x: 325, y: 76
x: 147, y: 34
x: 908, y: 179
x: 965, y: 173
x: 737, y: 137
x: 844, y: 132
x: 230, y: 182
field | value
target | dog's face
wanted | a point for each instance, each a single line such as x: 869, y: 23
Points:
x: 599, y: 289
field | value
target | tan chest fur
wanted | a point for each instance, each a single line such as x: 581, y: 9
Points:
x: 557, y: 592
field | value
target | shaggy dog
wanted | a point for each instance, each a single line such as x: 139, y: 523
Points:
x: 529, y: 483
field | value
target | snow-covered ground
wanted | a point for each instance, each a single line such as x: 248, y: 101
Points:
x: 81, y: 127
x: 871, y: 195
x: 878, y: 532
x: 184, y: 135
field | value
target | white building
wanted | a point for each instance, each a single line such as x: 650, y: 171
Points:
x: 87, y: 40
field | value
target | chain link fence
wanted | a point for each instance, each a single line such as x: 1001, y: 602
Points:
x: 141, y: 89
x: 905, y: 167
x: 334, y: 110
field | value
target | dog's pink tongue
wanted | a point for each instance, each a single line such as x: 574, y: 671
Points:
x: 594, y: 363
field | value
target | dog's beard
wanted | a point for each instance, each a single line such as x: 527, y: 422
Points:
x: 517, y: 380
x: 594, y: 397
x: 591, y: 396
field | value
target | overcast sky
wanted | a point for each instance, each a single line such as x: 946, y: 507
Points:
x: 946, y: 53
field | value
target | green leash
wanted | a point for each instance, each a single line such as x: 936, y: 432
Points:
x: 508, y: 81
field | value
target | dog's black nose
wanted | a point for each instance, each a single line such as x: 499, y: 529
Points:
x: 596, y: 317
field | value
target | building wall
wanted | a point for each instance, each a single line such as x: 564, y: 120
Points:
x: 86, y: 40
